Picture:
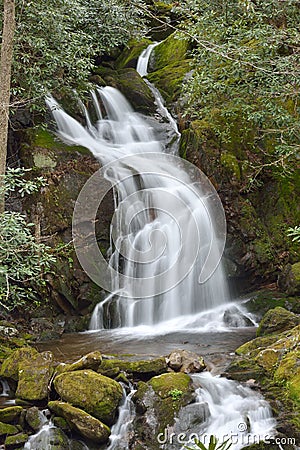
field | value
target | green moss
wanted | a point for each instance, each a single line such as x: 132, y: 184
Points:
x: 10, y: 414
x: 83, y: 423
x: 231, y: 165
x: 143, y: 369
x: 10, y: 367
x: 46, y: 140
x: 169, y: 79
x: 34, y: 377
x: 254, y: 346
x: 6, y: 429
x: 171, y: 51
x: 94, y: 393
x: 129, y: 56
x: 277, y: 320
x: 294, y: 389
x: 164, y: 384
x: 16, y: 440
x: 289, y: 367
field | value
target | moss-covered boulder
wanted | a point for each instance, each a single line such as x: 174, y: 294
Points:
x: 10, y: 366
x: 34, y: 377
x: 79, y: 421
x: 7, y: 429
x: 129, y: 56
x: 132, y: 86
x: 35, y: 418
x: 273, y: 361
x: 277, y: 320
x: 10, y: 414
x: 141, y: 370
x: 170, y: 51
x: 158, y: 402
x: 90, y: 361
x: 16, y: 441
x: 94, y: 393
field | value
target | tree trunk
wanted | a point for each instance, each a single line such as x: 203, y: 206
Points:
x: 5, y: 77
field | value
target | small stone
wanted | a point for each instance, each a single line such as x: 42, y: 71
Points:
x: 185, y: 361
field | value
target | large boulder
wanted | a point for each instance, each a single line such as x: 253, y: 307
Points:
x: 34, y: 377
x: 142, y: 370
x: 94, y: 393
x: 185, y: 361
x: 277, y: 320
x: 79, y: 421
x: 158, y: 403
x: 11, y: 365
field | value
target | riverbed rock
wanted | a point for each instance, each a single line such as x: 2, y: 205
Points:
x: 56, y: 440
x: 34, y: 418
x: 7, y: 429
x: 94, y: 393
x: 15, y: 441
x: 34, y: 377
x: 10, y: 414
x: 233, y: 317
x: 83, y: 423
x: 158, y: 402
x: 277, y: 320
x: 10, y: 366
x: 185, y: 361
x: 141, y: 370
x: 90, y: 361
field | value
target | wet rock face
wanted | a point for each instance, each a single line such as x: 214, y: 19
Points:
x: 289, y: 279
x: 94, y: 393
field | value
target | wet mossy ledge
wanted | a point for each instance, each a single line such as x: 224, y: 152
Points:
x: 84, y: 401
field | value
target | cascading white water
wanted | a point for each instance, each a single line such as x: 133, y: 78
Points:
x: 159, y: 207
x: 120, y: 432
x: 226, y: 410
x: 143, y: 60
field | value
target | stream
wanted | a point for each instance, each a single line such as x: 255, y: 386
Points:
x: 166, y: 285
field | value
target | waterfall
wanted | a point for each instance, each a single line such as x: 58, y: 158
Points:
x: 143, y: 60
x: 168, y: 229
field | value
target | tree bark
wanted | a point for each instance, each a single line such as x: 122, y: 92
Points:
x: 5, y: 79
